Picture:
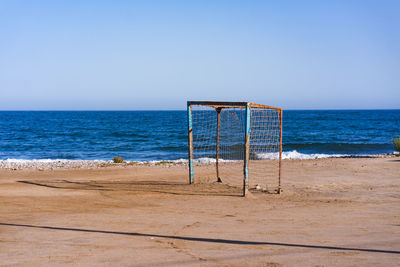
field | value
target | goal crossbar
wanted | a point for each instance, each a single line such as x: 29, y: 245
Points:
x: 225, y: 104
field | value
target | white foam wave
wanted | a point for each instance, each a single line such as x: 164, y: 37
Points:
x: 296, y: 155
x: 211, y: 160
x: 178, y: 161
x: 285, y: 155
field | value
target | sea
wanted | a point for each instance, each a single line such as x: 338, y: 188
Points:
x: 162, y: 135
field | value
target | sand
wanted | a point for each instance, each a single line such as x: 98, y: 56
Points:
x: 332, y: 212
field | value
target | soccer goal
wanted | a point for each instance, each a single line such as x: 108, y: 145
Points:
x: 238, y: 143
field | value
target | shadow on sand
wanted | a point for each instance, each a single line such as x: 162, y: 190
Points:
x: 200, y: 239
x: 174, y: 188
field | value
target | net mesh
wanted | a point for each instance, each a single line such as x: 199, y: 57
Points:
x: 219, y: 133
x: 264, y: 148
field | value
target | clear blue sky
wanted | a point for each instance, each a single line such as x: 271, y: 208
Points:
x: 159, y: 54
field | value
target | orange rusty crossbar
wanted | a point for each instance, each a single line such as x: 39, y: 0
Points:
x: 227, y: 104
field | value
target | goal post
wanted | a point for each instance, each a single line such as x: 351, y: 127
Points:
x: 242, y: 139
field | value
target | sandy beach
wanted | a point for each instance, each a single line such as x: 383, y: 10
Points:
x: 334, y: 211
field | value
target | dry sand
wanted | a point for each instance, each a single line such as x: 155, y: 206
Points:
x: 342, y: 212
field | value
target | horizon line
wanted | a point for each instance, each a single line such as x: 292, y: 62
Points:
x: 119, y: 110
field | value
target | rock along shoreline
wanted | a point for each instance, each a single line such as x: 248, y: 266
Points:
x: 16, y: 164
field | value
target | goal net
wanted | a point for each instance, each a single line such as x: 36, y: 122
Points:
x: 237, y: 143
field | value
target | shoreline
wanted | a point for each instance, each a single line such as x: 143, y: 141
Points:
x: 66, y: 164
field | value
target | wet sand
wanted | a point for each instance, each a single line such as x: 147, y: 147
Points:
x: 336, y: 211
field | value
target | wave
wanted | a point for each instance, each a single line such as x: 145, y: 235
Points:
x: 275, y: 155
x: 178, y: 161
x: 297, y: 155
x: 258, y: 156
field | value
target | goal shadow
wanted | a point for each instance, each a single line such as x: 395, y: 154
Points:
x: 163, y: 187
x: 205, y: 239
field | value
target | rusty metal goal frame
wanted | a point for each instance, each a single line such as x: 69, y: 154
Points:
x: 246, y: 109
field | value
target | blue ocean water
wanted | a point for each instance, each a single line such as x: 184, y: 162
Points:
x: 162, y: 135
